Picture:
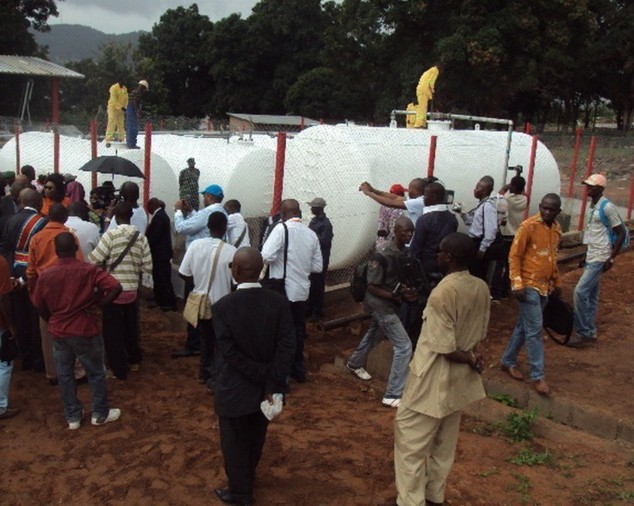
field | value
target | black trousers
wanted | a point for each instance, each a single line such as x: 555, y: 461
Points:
x: 121, y: 337
x: 315, y: 304
x: 207, y: 350
x: 27, y: 322
x: 241, y: 441
x: 162, y: 277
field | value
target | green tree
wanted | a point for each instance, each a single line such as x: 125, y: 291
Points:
x: 179, y: 49
x: 16, y: 17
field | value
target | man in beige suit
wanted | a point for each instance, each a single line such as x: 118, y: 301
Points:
x: 443, y: 377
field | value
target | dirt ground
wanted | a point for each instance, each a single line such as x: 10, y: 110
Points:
x: 333, y: 443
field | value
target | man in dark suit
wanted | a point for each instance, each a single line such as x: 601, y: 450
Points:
x: 16, y: 239
x: 159, y: 235
x: 255, y: 348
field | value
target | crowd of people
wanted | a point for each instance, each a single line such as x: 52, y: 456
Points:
x: 71, y: 269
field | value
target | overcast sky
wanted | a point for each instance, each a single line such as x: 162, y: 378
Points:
x: 122, y: 16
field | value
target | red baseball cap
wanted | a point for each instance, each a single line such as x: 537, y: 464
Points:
x: 398, y: 189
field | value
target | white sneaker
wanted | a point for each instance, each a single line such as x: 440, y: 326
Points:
x: 77, y: 423
x: 360, y: 372
x: 390, y: 402
x: 113, y: 414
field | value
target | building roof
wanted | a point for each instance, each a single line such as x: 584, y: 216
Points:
x: 32, y: 66
x: 271, y: 119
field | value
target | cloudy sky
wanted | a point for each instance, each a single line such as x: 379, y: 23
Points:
x: 122, y: 16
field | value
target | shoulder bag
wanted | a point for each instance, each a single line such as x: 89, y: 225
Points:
x: 198, y: 305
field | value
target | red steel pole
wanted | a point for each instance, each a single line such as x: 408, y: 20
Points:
x: 527, y: 128
x: 55, y: 149
x: 584, y: 197
x: 147, y: 172
x: 301, y: 124
x: 278, y: 181
x: 531, y: 173
x: 93, y: 148
x: 17, y: 149
x: 630, y: 201
x: 432, y: 156
x: 575, y: 158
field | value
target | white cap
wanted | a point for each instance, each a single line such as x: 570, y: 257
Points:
x: 143, y: 82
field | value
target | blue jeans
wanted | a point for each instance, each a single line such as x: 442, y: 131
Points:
x: 528, y: 330
x: 5, y: 379
x: 586, y: 299
x: 390, y: 325
x: 89, y: 351
x: 131, y: 126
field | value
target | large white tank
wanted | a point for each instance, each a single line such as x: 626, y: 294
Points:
x: 331, y: 162
x: 36, y: 149
x: 243, y: 169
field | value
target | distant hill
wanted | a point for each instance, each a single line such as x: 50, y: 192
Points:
x: 76, y: 42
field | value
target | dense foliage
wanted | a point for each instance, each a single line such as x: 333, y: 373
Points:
x: 537, y: 61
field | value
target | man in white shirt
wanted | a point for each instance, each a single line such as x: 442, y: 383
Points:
x: 237, y: 228
x: 87, y: 233
x: 130, y: 193
x: 604, y: 220
x: 482, y: 221
x: 193, y: 224
x: 414, y: 204
x: 303, y: 258
x: 198, y: 264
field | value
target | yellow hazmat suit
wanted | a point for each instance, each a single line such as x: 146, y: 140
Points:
x: 424, y: 93
x: 410, y: 119
x: 117, y: 103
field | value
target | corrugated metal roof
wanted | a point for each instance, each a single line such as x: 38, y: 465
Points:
x: 32, y: 66
x: 270, y: 119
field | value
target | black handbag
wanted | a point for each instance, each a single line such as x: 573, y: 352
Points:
x: 558, y: 320
x: 276, y: 284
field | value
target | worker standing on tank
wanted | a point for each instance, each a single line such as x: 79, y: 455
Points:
x: 132, y: 113
x: 188, y: 184
x: 117, y: 104
x: 424, y: 93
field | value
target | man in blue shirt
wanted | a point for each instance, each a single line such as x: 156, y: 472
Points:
x: 321, y: 225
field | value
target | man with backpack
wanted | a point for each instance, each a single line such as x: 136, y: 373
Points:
x: 605, y: 235
x: 384, y: 295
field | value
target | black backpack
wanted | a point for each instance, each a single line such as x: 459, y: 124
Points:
x: 359, y: 280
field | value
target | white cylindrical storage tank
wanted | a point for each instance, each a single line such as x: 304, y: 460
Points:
x: 243, y: 169
x: 331, y: 162
x: 36, y: 149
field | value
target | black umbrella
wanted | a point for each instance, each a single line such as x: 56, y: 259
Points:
x: 113, y: 165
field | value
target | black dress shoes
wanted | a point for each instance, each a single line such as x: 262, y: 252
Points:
x: 185, y: 352
x: 229, y: 498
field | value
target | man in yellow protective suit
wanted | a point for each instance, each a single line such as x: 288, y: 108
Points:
x: 117, y: 103
x: 424, y: 93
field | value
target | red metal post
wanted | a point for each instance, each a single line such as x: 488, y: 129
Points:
x: 56, y: 149
x: 209, y: 126
x: 55, y: 113
x: 55, y: 100
x: 575, y: 158
x: 93, y: 148
x: 161, y: 124
x: 301, y: 124
x: 432, y: 156
x: 17, y: 149
x: 278, y: 181
x: 147, y: 172
x: 531, y: 173
x: 527, y: 128
x: 630, y: 201
x: 584, y: 197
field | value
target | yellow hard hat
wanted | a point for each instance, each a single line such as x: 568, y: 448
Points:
x: 143, y: 82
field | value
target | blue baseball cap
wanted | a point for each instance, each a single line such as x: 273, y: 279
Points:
x: 213, y: 189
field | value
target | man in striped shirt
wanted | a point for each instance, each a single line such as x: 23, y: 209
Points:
x: 120, y: 325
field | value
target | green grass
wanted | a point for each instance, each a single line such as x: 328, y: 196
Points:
x: 518, y: 426
x: 529, y: 457
x: 505, y: 399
